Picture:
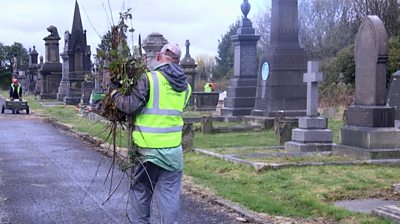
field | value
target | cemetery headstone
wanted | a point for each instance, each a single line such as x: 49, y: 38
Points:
x: 189, y: 67
x: 242, y: 87
x: 206, y: 125
x: 50, y: 70
x: 283, y: 88
x: 283, y: 128
x: 187, y: 137
x: 78, y: 59
x: 370, y: 122
x: 32, y: 71
x: 63, y: 89
x: 393, y: 99
x: 312, y: 134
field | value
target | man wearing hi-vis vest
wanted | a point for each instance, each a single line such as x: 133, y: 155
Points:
x: 158, y: 102
x: 15, y: 91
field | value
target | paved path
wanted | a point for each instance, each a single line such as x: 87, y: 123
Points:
x: 47, y: 176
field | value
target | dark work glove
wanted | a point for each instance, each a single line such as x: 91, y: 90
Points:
x: 114, y: 84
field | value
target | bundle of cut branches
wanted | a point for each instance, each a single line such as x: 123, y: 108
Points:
x: 125, y: 67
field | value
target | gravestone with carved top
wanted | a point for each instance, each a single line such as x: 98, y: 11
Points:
x: 370, y: 128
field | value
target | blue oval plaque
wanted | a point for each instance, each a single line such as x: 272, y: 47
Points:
x: 265, y: 71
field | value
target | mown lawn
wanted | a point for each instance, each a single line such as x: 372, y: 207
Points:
x: 305, y: 192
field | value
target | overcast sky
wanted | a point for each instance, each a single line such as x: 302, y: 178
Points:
x: 202, y: 22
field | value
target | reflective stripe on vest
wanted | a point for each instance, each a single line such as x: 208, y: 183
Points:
x: 159, y: 125
x: 18, y: 89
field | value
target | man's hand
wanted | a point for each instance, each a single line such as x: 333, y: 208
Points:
x: 114, y: 84
x: 11, y: 98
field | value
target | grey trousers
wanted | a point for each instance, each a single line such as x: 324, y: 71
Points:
x: 153, y: 184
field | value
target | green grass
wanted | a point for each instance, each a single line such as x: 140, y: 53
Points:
x: 67, y: 115
x: 335, y: 126
x: 264, y: 138
x: 243, y: 139
x: 306, y: 192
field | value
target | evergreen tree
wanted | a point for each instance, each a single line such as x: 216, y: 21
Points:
x: 224, y: 67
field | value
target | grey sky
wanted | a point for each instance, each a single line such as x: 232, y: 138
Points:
x: 202, y: 22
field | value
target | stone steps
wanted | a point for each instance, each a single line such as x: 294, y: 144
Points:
x: 390, y: 212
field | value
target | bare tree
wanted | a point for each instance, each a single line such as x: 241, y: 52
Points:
x: 387, y: 10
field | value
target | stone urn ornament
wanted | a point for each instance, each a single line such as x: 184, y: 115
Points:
x: 245, y: 7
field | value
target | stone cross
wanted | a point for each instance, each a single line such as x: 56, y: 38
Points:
x: 312, y: 78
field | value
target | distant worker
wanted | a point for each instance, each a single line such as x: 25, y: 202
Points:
x: 15, y: 90
x: 209, y: 87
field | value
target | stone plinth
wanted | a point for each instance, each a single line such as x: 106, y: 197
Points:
x: 370, y: 116
x: 370, y: 138
x: 311, y: 136
x: 50, y: 79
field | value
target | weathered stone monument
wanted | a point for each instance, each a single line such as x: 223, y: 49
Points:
x: 312, y: 134
x: 370, y: 122
x: 280, y: 85
x: 241, y: 91
x: 39, y: 82
x: 50, y: 70
x: 76, y: 60
x: 152, y: 44
x: 32, y: 71
x: 393, y: 99
x: 63, y: 89
x: 189, y: 65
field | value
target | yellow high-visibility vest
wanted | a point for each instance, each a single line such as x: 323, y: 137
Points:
x: 207, y: 88
x: 159, y: 124
x: 18, y: 89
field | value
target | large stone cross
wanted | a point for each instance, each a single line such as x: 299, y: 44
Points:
x: 312, y: 78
